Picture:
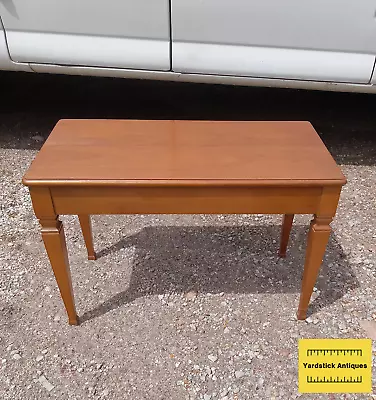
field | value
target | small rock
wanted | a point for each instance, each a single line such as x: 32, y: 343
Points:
x: 105, y: 392
x: 160, y: 296
x: 341, y: 326
x: 38, y: 138
x: 212, y: 357
x: 16, y: 356
x: 226, y: 330
x: 284, y: 352
x: 309, y: 320
x: 369, y: 327
x: 260, y: 383
x: 223, y: 393
x: 236, y: 390
x: 57, y: 318
x: 9, y: 348
x: 44, y: 382
x: 39, y: 358
x: 3, y: 361
x: 239, y: 374
x: 207, y: 396
x: 44, y: 351
x: 191, y: 295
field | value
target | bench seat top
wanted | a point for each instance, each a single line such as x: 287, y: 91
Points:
x: 179, y: 153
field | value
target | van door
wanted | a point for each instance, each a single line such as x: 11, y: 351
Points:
x: 112, y: 33
x: 320, y: 40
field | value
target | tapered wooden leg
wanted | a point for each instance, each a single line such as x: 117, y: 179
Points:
x: 54, y: 241
x: 318, y: 237
x: 286, y: 229
x: 85, y: 223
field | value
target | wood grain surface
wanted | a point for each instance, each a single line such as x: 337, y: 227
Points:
x: 115, y: 152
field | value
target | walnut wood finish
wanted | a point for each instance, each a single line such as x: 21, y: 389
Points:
x: 318, y: 236
x: 85, y: 223
x: 183, y: 167
x: 54, y: 241
x: 286, y: 229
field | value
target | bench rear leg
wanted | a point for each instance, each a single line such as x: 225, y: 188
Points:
x: 286, y: 229
x: 85, y: 223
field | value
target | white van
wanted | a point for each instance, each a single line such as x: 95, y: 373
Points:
x: 317, y: 44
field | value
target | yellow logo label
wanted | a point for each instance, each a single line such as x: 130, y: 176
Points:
x: 335, y: 365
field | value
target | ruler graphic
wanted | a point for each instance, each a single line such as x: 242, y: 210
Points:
x: 338, y: 352
x: 344, y: 379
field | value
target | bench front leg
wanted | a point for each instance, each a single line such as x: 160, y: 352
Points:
x: 318, y: 237
x: 54, y: 241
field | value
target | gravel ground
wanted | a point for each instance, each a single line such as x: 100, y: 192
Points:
x: 178, y: 307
